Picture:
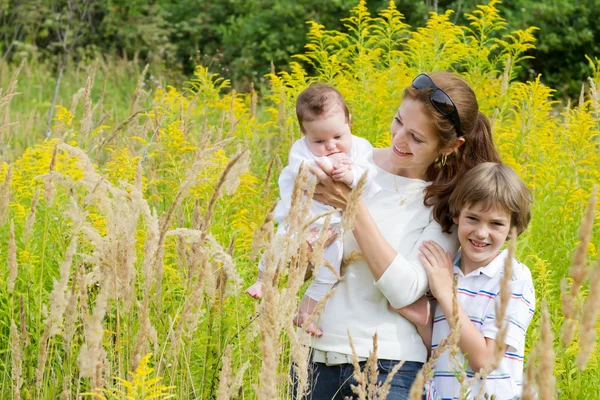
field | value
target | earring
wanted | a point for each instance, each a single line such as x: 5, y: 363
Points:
x: 439, y: 163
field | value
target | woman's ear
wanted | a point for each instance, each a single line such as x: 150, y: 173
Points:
x: 454, y: 146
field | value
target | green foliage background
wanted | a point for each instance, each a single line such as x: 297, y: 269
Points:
x: 239, y: 39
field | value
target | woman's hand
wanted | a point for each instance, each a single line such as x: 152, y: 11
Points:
x: 328, y: 191
x: 438, y: 265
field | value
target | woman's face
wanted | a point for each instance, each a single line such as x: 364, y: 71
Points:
x: 415, y: 143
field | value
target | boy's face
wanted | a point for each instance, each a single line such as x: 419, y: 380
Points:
x: 328, y: 135
x: 481, y: 233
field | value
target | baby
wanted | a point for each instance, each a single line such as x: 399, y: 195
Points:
x: 325, y: 122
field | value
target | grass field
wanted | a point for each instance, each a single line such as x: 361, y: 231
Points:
x: 129, y: 232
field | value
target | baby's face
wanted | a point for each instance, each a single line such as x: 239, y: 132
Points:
x: 328, y: 135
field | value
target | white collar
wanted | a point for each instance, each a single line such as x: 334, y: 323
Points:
x: 491, y: 270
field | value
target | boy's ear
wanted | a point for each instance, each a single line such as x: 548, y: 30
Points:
x: 455, y: 220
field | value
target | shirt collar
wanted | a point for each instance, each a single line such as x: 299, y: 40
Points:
x: 491, y: 270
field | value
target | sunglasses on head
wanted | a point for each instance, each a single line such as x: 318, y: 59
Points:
x: 439, y: 99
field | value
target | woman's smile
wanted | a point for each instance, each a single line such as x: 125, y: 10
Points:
x: 401, y: 153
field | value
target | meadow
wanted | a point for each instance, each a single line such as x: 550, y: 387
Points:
x: 130, y: 229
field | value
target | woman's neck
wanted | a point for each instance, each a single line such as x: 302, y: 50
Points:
x: 381, y: 158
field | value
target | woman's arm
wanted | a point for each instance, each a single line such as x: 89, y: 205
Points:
x: 402, y: 280
x: 375, y: 249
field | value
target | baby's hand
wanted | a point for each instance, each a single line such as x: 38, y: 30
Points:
x: 342, y: 168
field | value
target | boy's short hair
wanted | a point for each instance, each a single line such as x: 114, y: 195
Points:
x: 317, y: 101
x: 494, y: 184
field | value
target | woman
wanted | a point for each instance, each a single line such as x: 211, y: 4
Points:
x: 438, y: 133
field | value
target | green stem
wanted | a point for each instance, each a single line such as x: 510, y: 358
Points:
x: 42, y: 261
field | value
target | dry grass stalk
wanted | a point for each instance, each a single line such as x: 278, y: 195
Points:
x: 297, y: 222
x: 49, y: 190
x: 192, y: 311
x: 266, y: 181
x: 139, y: 175
x: 317, y: 259
x: 269, y: 344
x: 350, y: 258
x: 232, y: 122
x: 30, y: 222
x: 360, y: 389
x: 282, y: 114
x: 99, y: 105
x: 114, y: 253
x: 228, y: 384
x: 137, y: 94
x: 299, y: 339
x: 239, y: 168
x: 141, y: 340
x: 529, y: 392
x: 43, y: 354
x: 23, y: 326
x: 591, y: 310
x: 60, y: 297
x: 264, y: 234
x: 544, y: 374
x: 16, y: 361
x: 5, y: 195
x: 426, y: 372
x: 367, y: 385
x: 86, y: 120
x: 92, y: 356
x: 72, y: 312
x: 253, y: 101
x: 13, y: 267
x: 8, y: 96
x: 454, y: 337
x: 219, y: 185
x: 501, y: 321
x: 578, y: 272
x: 318, y: 309
x: 353, y: 201
x: 277, y: 307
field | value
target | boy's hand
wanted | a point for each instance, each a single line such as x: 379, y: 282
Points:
x: 438, y: 265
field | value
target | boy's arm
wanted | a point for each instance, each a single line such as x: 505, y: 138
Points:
x: 477, y: 349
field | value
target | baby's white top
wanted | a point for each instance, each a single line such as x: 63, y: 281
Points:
x: 361, y: 154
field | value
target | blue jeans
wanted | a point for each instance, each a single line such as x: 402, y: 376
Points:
x: 326, y: 383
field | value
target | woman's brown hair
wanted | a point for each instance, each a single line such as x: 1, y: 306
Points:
x: 474, y: 128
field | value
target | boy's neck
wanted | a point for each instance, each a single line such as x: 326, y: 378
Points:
x: 467, y: 265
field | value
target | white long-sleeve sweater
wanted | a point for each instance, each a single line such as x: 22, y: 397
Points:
x: 360, y: 305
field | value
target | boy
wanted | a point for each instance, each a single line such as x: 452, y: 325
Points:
x: 486, y: 205
x: 325, y: 122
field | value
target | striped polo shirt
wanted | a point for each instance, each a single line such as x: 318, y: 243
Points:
x: 478, y: 292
